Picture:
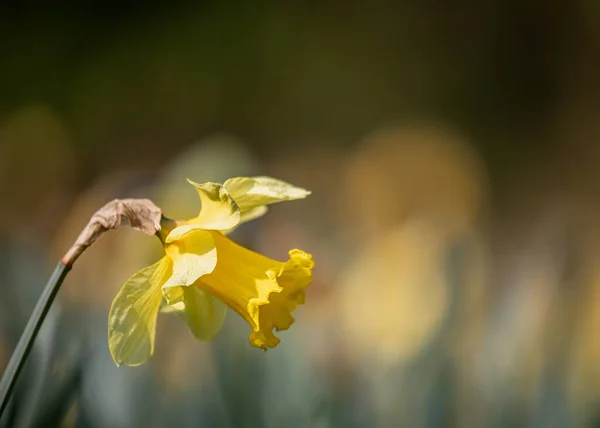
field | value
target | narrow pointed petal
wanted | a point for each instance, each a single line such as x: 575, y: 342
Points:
x: 252, y: 192
x: 192, y: 257
x: 203, y: 313
x: 132, y: 318
x: 218, y: 211
x: 263, y: 291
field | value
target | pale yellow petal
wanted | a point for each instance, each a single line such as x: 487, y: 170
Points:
x: 132, y: 318
x: 165, y: 308
x: 249, y: 215
x: 181, y: 232
x: 218, y: 211
x: 203, y: 313
x: 263, y: 291
x: 253, y: 213
x: 193, y: 256
x: 252, y: 192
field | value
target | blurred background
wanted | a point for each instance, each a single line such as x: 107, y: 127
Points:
x: 452, y: 151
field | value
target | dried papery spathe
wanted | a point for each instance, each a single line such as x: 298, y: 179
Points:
x: 141, y: 214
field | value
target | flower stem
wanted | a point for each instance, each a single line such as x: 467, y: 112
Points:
x: 32, y: 328
x: 142, y: 215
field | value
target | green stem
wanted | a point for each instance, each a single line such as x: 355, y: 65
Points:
x: 32, y: 328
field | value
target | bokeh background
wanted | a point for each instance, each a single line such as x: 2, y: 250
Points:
x: 452, y: 151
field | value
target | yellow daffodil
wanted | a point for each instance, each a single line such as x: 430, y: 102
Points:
x: 203, y: 271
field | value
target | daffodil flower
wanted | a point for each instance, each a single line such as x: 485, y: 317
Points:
x: 203, y: 272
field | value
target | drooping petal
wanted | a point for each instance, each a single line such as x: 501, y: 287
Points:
x: 218, y: 211
x: 193, y: 256
x: 202, y: 312
x: 132, y: 318
x: 263, y: 291
x: 253, y: 192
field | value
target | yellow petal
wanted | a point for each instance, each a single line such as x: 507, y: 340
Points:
x: 219, y: 211
x: 181, y: 232
x: 132, y: 318
x: 193, y: 256
x: 203, y: 313
x: 252, y: 192
x: 253, y: 213
x: 165, y: 308
x: 263, y: 291
x: 249, y: 215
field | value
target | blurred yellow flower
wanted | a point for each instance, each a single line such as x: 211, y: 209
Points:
x: 203, y: 271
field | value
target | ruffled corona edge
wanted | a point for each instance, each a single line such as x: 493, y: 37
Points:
x: 272, y: 309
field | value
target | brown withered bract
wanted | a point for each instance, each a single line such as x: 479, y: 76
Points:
x: 142, y: 215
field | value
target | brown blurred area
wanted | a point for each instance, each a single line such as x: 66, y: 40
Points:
x: 452, y: 152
